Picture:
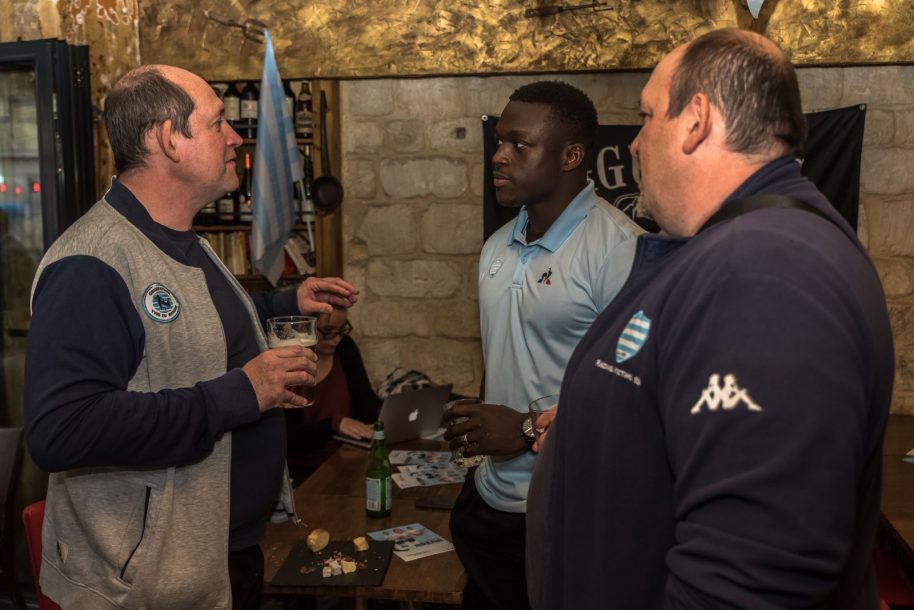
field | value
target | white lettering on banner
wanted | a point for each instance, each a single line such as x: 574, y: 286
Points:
x: 618, y: 179
x: 600, y: 364
x: 726, y: 396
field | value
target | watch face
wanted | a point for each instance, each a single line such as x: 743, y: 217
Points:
x: 527, y: 429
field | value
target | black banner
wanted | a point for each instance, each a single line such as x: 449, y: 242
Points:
x: 831, y: 159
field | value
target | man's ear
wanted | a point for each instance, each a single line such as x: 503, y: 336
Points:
x: 572, y: 157
x: 165, y: 139
x: 697, y: 117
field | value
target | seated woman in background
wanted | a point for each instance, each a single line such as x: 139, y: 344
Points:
x: 344, y: 401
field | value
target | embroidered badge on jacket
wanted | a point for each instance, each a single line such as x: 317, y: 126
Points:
x: 633, y: 337
x: 160, y: 303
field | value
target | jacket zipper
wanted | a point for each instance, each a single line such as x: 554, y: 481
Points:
x: 142, y: 532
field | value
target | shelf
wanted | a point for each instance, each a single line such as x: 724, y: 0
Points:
x: 232, y: 228
x: 253, y: 141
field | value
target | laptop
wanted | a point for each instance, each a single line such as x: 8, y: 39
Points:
x: 408, y: 415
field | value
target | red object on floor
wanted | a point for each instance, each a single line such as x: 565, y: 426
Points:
x: 894, y: 588
x: 33, y: 518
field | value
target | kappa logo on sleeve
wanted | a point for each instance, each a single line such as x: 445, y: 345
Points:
x: 726, y: 396
x: 160, y: 303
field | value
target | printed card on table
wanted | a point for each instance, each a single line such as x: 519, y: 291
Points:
x: 413, y: 541
x: 429, y: 458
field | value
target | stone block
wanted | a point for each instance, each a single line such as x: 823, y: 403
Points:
x: 880, y: 128
x: 477, y: 177
x: 904, y: 127
x: 369, y: 97
x: 820, y: 88
x: 388, y: 230
x: 887, y: 171
x: 611, y: 93
x: 452, y: 229
x: 455, y: 319
x: 403, y: 179
x: 443, y: 360
x: 889, y: 225
x: 448, y: 177
x: 902, y: 317
x: 489, y: 94
x: 897, y: 276
x: 360, y: 179
x: 435, y: 98
x: 882, y: 85
x: 457, y: 135
x: 414, y: 278
x: 405, y: 136
x: 360, y: 137
x: 863, y: 226
x: 394, y: 318
x: 904, y: 376
x: 381, y: 356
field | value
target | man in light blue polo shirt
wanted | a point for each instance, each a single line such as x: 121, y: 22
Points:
x: 543, y: 279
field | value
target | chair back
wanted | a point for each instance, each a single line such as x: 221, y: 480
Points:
x: 10, y: 464
x: 33, y: 518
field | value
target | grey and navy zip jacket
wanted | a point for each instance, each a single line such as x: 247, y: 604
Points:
x: 128, y: 404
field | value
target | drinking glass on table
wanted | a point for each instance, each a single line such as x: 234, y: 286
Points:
x: 285, y: 331
x: 543, y: 404
x: 457, y: 454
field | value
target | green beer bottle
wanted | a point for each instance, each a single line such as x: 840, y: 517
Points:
x: 378, y: 497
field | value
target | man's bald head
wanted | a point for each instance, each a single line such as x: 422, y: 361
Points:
x: 751, y: 83
x: 141, y: 100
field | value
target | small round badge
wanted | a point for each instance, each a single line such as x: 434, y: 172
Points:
x: 160, y: 303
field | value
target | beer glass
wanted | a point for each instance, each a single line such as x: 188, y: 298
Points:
x: 293, y: 330
x: 538, y: 407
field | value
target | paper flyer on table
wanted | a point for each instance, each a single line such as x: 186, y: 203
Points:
x: 430, y: 458
x: 413, y: 541
x: 909, y: 457
x: 426, y: 478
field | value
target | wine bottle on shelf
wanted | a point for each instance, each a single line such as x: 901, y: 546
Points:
x: 231, y: 99
x: 226, y: 208
x: 208, y: 215
x: 303, y: 125
x: 305, y: 203
x: 289, y: 99
x: 378, y: 491
x: 250, y: 100
x: 247, y: 191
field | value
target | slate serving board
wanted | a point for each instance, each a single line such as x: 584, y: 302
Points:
x: 370, y: 573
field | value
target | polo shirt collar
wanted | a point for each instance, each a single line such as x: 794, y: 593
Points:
x: 564, y: 225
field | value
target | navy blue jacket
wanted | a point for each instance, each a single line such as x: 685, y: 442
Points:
x: 732, y: 401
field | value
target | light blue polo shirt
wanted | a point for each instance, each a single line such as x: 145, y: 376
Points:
x: 536, y: 301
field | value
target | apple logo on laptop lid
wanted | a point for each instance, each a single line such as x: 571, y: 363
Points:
x: 414, y: 415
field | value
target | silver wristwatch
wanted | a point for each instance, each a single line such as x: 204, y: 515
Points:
x: 526, y: 429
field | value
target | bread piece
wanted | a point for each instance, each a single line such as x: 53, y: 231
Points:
x: 360, y: 543
x: 318, y: 540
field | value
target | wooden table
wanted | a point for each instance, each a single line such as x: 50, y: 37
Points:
x: 897, y: 531
x: 334, y: 498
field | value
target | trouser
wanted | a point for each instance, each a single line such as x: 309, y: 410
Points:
x: 490, y: 544
x: 246, y: 576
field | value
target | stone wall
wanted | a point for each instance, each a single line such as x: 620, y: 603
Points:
x: 412, y: 224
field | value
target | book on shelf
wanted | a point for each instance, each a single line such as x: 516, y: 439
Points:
x: 298, y: 251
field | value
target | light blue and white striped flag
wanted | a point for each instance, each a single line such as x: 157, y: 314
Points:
x: 277, y: 166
